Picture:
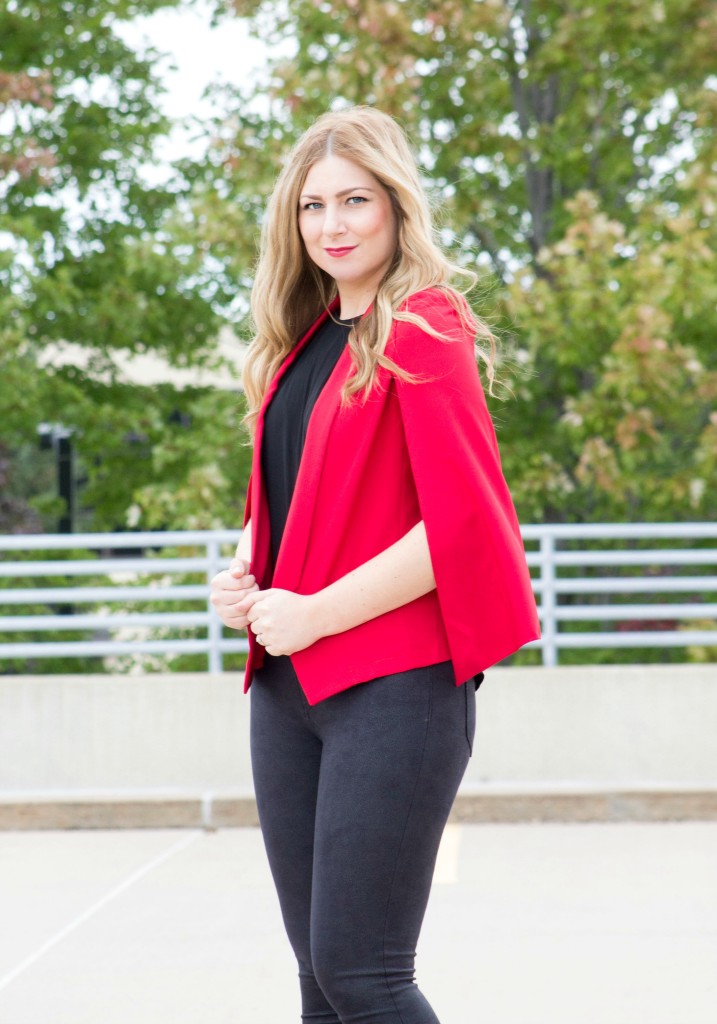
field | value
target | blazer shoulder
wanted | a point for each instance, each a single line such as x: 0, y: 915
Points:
x: 436, y: 300
x: 410, y: 341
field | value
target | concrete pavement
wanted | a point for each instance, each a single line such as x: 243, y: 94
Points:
x: 528, y: 924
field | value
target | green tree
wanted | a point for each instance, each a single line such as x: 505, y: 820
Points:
x: 572, y: 150
x: 621, y: 385
x: 94, y: 253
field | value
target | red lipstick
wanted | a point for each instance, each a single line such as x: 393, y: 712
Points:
x: 344, y: 251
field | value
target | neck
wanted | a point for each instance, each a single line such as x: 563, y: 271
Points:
x: 355, y: 303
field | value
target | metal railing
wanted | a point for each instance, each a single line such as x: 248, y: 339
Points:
x: 645, y: 585
x: 599, y: 586
x: 133, y: 572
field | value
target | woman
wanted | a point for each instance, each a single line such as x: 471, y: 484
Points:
x: 380, y: 567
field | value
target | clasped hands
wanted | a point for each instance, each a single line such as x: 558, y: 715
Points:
x: 285, y: 621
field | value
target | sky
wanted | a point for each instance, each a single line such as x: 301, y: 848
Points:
x: 201, y: 56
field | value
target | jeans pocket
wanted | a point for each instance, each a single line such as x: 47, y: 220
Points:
x: 470, y: 699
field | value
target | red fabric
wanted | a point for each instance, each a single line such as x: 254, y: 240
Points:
x: 368, y: 474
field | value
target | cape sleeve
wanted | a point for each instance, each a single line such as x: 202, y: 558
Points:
x: 482, y: 578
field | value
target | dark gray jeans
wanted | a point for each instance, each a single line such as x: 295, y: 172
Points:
x: 353, y: 796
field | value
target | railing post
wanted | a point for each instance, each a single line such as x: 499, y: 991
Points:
x: 214, y: 629
x: 548, y: 600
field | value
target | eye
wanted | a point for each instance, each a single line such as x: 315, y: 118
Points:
x: 356, y: 200
x: 311, y: 206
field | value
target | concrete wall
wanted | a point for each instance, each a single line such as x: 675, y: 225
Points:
x: 123, y: 732
x: 608, y: 724
x: 597, y: 729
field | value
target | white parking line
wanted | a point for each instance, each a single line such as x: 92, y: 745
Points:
x: 160, y: 858
x: 446, y: 872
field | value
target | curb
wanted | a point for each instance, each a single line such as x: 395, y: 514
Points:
x: 474, y: 805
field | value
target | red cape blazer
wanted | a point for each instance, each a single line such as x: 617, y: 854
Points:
x: 369, y: 473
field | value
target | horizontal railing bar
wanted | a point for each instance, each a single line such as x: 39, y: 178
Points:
x: 145, y: 539
x: 92, y: 566
x: 602, y: 531
x: 97, y: 648
x: 86, y: 595
x: 577, y: 585
x: 617, y: 557
x: 668, y: 638
x: 672, y: 556
x: 634, y: 584
x: 586, y: 613
x: 185, y: 538
x: 229, y: 646
x: 564, y: 640
x: 36, y: 623
x: 103, y: 567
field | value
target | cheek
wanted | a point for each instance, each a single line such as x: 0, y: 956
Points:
x: 388, y: 240
x: 383, y: 229
x: 376, y: 226
x: 307, y: 234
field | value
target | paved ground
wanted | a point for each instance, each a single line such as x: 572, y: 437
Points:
x: 528, y: 924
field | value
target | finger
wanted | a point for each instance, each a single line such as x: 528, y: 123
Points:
x: 225, y: 581
x: 238, y: 567
x: 254, y: 597
x: 241, y: 607
x: 246, y: 582
x: 235, y: 589
x: 226, y: 595
x: 231, y: 616
x: 229, y: 610
x: 234, y: 595
x: 234, y: 621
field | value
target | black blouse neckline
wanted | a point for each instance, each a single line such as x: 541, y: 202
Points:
x: 286, y: 418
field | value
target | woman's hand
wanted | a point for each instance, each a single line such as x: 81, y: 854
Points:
x: 229, y: 592
x: 284, y: 622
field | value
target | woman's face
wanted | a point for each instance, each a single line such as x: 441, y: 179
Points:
x: 348, y: 225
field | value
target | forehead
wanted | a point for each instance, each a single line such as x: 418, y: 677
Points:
x: 332, y: 174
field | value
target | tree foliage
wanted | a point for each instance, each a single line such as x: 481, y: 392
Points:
x: 572, y: 150
x: 94, y: 252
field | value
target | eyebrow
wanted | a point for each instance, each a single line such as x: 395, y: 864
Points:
x: 343, y: 192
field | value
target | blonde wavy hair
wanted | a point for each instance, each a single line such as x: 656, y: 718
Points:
x: 290, y: 292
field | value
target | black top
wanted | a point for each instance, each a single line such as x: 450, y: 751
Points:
x: 287, y: 417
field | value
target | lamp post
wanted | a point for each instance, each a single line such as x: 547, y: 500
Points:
x: 59, y: 438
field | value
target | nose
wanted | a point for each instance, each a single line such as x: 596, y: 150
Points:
x: 333, y: 221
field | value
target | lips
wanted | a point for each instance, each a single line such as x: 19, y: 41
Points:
x: 344, y: 251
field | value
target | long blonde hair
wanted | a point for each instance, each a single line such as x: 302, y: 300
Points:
x: 290, y: 292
